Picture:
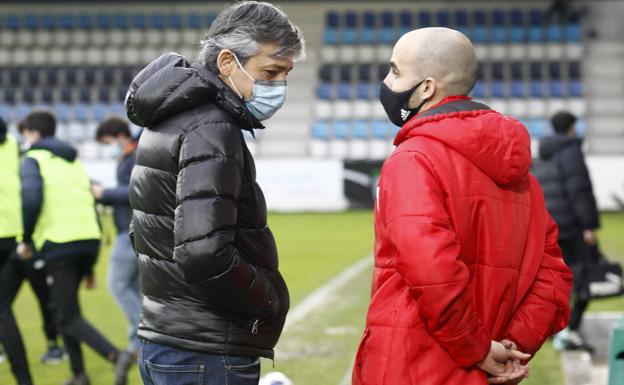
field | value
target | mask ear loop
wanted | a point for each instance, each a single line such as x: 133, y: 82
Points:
x: 245, y: 72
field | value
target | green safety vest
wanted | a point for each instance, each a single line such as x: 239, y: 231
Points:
x: 68, y: 211
x: 10, y: 198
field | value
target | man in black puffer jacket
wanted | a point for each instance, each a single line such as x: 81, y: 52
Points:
x: 563, y: 174
x: 214, y: 301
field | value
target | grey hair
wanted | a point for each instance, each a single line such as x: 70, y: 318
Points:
x: 242, y: 27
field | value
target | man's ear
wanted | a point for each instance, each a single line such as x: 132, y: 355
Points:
x: 225, y: 62
x: 429, y: 88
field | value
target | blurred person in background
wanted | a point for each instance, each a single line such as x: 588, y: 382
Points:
x: 214, y: 301
x: 61, y: 224
x: 123, y: 270
x: 468, y: 275
x: 564, y: 177
x: 10, y: 233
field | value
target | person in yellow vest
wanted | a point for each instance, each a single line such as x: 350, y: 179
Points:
x: 61, y: 224
x: 10, y: 231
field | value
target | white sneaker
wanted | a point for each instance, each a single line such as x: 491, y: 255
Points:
x: 275, y: 378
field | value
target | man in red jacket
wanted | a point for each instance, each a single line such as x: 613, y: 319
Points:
x: 467, y: 273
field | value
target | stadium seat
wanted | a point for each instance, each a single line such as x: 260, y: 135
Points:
x: 554, y: 70
x: 498, y: 70
x: 103, y: 21
x: 360, y: 129
x: 364, y: 91
x: 575, y: 88
x: 326, y: 73
x: 9, y: 95
x: 517, y: 89
x: 443, y: 18
x: 406, y: 22
x: 340, y: 130
x: 497, y: 89
x: 479, y: 90
x: 31, y: 21
x: 424, y: 19
x: 369, y: 29
x: 535, y: 71
x: 330, y: 36
x: 325, y: 91
x: 345, y: 73
x: 345, y: 92
x: 387, y: 34
x: 320, y: 130
x: 157, y: 21
x: 28, y: 96
x: 139, y: 21
x: 554, y: 33
x: 573, y: 33
x: 536, y: 89
x: 62, y: 112
x: 574, y: 70
x: 380, y: 129
x: 555, y: 89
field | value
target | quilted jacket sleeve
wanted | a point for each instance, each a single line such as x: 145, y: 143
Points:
x: 208, y: 187
x: 546, y: 308
x: 428, y: 256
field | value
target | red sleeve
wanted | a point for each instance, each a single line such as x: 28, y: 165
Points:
x: 419, y: 228
x: 546, y: 308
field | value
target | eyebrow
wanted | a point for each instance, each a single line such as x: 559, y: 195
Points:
x: 393, y: 66
x: 280, y: 67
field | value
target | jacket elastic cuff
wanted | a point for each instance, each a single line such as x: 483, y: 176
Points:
x: 470, y: 348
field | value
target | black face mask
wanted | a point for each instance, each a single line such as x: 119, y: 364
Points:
x: 395, y: 103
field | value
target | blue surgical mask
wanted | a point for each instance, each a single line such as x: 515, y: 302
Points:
x: 113, y: 150
x: 267, y: 97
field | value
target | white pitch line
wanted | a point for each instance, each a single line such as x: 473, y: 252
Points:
x: 313, y: 301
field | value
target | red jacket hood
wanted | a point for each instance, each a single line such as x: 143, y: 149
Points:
x: 498, y: 145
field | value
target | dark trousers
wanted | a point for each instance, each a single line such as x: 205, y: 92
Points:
x: 10, y: 335
x: 64, y: 278
x: 576, y: 254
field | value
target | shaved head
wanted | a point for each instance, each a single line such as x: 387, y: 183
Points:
x: 443, y: 57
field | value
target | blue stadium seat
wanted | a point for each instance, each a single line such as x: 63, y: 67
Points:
x: 67, y: 21
x: 108, y: 75
x: 330, y: 36
x: 139, y: 21
x: 103, y: 21
x: 517, y: 89
x: 554, y: 70
x: 535, y: 71
x: 118, y: 109
x: 573, y: 32
x: 497, y: 89
x: 33, y: 77
x: 47, y: 95
x: 332, y: 20
x: 406, y: 19
x: 360, y: 129
x: 480, y: 17
x: 14, y: 76
x: 28, y: 96
x: 84, y: 95
x: 364, y: 73
x: 193, y: 21
x: 369, y: 30
x: 345, y: 73
x: 537, y: 127
x: 536, y: 16
x: 157, y: 21
x: 89, y: 75
x: 370, y: 19
x: 498, y: 31
x: 517, y: 34
x: 81, y: 112
x: 120, y: 21
x: 21, y: 110
x: 424, y: 19
x: 349, y: 36
x: 574, y: 70
x: 536, y: 34
x: 387, y: 34
x: 478, y: 34
x: 85, y: 21
x: 325, y: 91
x: 66, y: 95
x: 320, y: 130
x: 61, y: 110
x: 443, y: 18
x: 13, y: 21
x: 536, y: 88
x: 479, y: 90
x: 516, y: 17
x: 575, y: 88
x: 121, y: 94
x: 326, y: 73
x: 175, y: 21
x: 31, y: 21
x: 498, y: 70
x: 52, y: 76
x: 49, y: 21
x: 480, y: 70
x: 387, y: 19
x: 6, y: 112
x: 104, y: 95
x: 461, y: 18
x: 209, y: 19
x: 351, y: 19
x: 517, y: 72
x: 345, y: 91
x: 100, y: 111
x: 340, y: 129
x: 364, y: 91
x: 9, y: 95
x: 380, y: 129
x: 554, y: 33
x: 382, y: 71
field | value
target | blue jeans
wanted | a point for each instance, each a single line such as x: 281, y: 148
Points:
x: 123, y: 282
x: 164, y: 365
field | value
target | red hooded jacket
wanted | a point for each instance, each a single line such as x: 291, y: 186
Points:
x: 465, y: 251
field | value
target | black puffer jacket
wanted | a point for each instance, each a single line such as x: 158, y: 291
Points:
x: 208, y: 261
x: 568, y: 191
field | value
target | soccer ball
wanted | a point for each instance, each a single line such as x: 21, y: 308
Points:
x: 275, y: 378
